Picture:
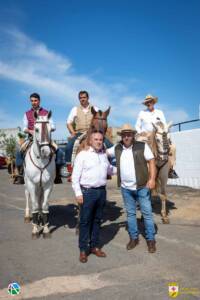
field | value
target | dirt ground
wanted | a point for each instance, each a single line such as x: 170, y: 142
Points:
x: 50, y: 269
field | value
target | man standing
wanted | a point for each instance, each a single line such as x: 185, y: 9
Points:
x: 136, y: 180
x: 145, y: 128
x: 89, y: 178
x: 29, y: 122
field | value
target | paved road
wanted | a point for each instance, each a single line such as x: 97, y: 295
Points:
x: 49, y: 269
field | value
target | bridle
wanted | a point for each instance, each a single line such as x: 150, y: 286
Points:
x: 164, y: 136
x: 100, y: 123
x: 40, y: 145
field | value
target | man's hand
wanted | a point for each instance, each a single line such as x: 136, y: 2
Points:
x: 31, y: 131
x: 79, y: 199
x: 151, y: 184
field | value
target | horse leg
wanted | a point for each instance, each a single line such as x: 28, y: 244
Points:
x: 165, y: 218
x: 45, y: 211
x: 163, y: 177
x: 35, y: 209
x: 27, y: 217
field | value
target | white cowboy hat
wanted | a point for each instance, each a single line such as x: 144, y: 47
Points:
x: 126, y: 128
x: 148, y: 98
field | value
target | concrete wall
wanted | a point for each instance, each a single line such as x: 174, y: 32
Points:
x: 187, y: 158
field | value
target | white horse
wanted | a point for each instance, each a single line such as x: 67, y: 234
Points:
x: 40, y: 171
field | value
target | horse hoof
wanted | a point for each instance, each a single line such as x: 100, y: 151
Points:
x: 165, y: 221
x: 35, y: 236
x: 27, y: 219
x: 46, y: 235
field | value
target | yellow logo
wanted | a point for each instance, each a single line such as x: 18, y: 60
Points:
x: 173, y: 289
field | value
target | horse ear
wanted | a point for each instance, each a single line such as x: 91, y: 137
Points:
x: 49, y: 114
x: 154, y: 126
x: 107, y: 111
x: 35, y: 114
x: 169, y: 125
x: 93, y: 111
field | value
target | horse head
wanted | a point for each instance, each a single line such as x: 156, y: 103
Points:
x: 42, y: 134
x: 162, y: 139
x: 99, y: 120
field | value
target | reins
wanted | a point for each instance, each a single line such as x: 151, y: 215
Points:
x: 39, y: 168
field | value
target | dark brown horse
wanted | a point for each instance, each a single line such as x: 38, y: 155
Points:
x: 98, y: 122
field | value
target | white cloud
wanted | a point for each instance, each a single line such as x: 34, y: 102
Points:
x: 33, y: 64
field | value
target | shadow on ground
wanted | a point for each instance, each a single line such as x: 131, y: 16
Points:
x: 63, y: 215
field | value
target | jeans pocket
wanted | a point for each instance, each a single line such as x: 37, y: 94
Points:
x: 144, y: 192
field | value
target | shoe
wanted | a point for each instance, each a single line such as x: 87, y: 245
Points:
x: 151, y: 246
x: 132, y: 244
x: 83, y: 257
x: 172, y: 174
x: 98, y: 252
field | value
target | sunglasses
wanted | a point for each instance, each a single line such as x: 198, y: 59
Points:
x: 149, y: 103
x: 128, y: 134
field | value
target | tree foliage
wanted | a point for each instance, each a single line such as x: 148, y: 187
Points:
x: 9, y: 143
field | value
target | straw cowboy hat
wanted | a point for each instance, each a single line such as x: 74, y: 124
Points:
x: 126, y: 128
x: 148, y: 98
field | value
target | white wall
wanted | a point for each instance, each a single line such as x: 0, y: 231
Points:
x: 187, y: 158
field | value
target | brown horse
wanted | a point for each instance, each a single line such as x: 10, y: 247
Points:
x: 98, y: 122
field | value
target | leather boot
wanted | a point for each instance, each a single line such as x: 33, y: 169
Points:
x: 132, y: 244
x: 151, y: 246
x: 58, y: 179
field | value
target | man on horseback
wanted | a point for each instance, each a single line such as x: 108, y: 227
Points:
x: 78, y: 123
x: 144, y: 127
x: 29, y: 122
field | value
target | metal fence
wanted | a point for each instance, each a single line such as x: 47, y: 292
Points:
x: 186, y: 122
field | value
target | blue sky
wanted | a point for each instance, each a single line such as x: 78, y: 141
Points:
x: 119, y: 51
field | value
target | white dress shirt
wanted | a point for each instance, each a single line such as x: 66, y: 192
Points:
x: 73, y: 113
x: 25, y: 123
x: 127, y: 166
x: 90, y: 170
x: 146, y: 118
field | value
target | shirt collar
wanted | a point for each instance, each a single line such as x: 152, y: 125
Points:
x: 86, y: 107
x: 149, y: 110
x: 38, y: 109
x: 125, y: 148
x: 91, y: 149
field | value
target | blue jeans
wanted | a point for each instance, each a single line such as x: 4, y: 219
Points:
x: 142, y: 196
x: 70, y: 145
x: 90, y: 217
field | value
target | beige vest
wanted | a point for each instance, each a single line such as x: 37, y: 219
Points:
x: 82, y: 119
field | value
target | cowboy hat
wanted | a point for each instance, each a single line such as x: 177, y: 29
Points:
x: 148, y: 98
x: 126, y: 128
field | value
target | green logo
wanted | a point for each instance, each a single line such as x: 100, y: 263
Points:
x: 14, y: 288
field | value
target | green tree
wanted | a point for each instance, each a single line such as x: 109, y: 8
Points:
x: 8, y: 143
